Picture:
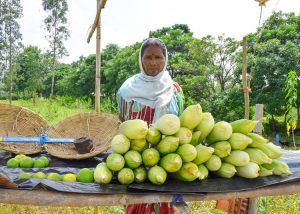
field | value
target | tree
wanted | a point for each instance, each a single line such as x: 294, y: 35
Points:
x: 277, y: 51
x: 2, y: 42
x: 30, y: 72
x: 176, y: 38
x: 224, y: 60
x: 56, y: 25
x: 11, y: 10
x: 109, y: 53
x: 120, y: 67
x: 291, y: 85
x: 196, y: 79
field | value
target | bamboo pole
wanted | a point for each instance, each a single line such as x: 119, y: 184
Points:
x: 98, y: 60
x: 100, y: 6
x: 259, y: 108
x: 258, y: 130
x: 244, y: 77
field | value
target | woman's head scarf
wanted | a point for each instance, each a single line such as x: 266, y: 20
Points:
x: 153, y: 91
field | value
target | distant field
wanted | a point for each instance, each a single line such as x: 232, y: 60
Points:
x: 54, y: 110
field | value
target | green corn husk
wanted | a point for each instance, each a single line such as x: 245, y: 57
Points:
x: 203, y: 154
x: 157, y: 175
x: 138, y: 145
x: 263, y: 172
x: 195, y: 138
x: 102, y: 174
x: 257, y: 140
x: 168, y: 124
x: 120, y: 144
x: 243, y: 126
x: 222, y: 148
x: 140, y: 174
x: 226, y: 170
x: 188, y: 172
x: 278, y: 167
x: 171, y: 162
x: 134, y: 129
x: 239, y: 141
x: 205, y: 126
x: 133, y: 159
x: 126, y: 176
x: 167, y: 145
x: 271, y: 150
x: 150, y: 157
x: 214, y: 163
x: 257, y: 156
x: 153, y: 136
x: 203, y: 172
x: 221, y: 131
x: 115, y: 162
x: 187, y: 152
x: 251, y: 170
x: 191, y: 116
x: 237, y: 158
x: 185, y: 135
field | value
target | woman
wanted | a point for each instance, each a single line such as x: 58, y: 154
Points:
x: 149, y: 95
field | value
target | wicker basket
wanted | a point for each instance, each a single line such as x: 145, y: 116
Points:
x: 100, y: 127
x: 16, y: 121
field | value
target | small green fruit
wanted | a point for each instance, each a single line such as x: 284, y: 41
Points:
x: 13, y: 163
x: 25, y: 175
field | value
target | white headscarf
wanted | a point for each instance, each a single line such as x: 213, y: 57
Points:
x: 153, y: 91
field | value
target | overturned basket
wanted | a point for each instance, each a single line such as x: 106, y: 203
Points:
x: 100, y: 127
x: 16, y: 121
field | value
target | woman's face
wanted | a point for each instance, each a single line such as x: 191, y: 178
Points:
x: 153, y: 60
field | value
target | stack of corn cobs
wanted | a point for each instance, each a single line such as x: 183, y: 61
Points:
x: 188, y: 148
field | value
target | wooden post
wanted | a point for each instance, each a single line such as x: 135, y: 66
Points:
x: 244, y: 77
x: 96, y: 25
x: 98, y: 63
x: 258, y: 130
x: 259, y: 108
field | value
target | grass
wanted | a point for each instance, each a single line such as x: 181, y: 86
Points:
x: 205, y: 207
x: 57, y: 109
x: 283, y: 204
x: 53, y: 110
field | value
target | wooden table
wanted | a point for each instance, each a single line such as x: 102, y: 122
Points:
x: 54, y: 198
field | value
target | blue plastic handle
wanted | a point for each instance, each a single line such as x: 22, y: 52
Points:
x: 42, y: 140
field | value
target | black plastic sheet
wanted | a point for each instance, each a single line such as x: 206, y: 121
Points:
x: 213, y: 184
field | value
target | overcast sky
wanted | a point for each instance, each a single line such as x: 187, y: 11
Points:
x: 125, y: 22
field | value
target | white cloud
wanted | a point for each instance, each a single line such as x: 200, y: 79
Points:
x: 126, y: 22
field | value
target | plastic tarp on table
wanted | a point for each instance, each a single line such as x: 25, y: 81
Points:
x: 211, y: 185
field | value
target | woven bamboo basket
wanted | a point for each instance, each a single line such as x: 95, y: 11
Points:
x: 100, y: 127
x: 16, y: 121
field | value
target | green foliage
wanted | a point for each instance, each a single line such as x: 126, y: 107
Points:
x: 277, y: 51
x: 291, y: 97
x: 10, y: 41
x: 56, y: 25
x: 60, y: 107
x: 291, y: 85
x: 224, y: 60
x: 121, y: 65
x: 227, y: 105
x: 30, y: 72
x: 279, y: 204
x: 176, y: 38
